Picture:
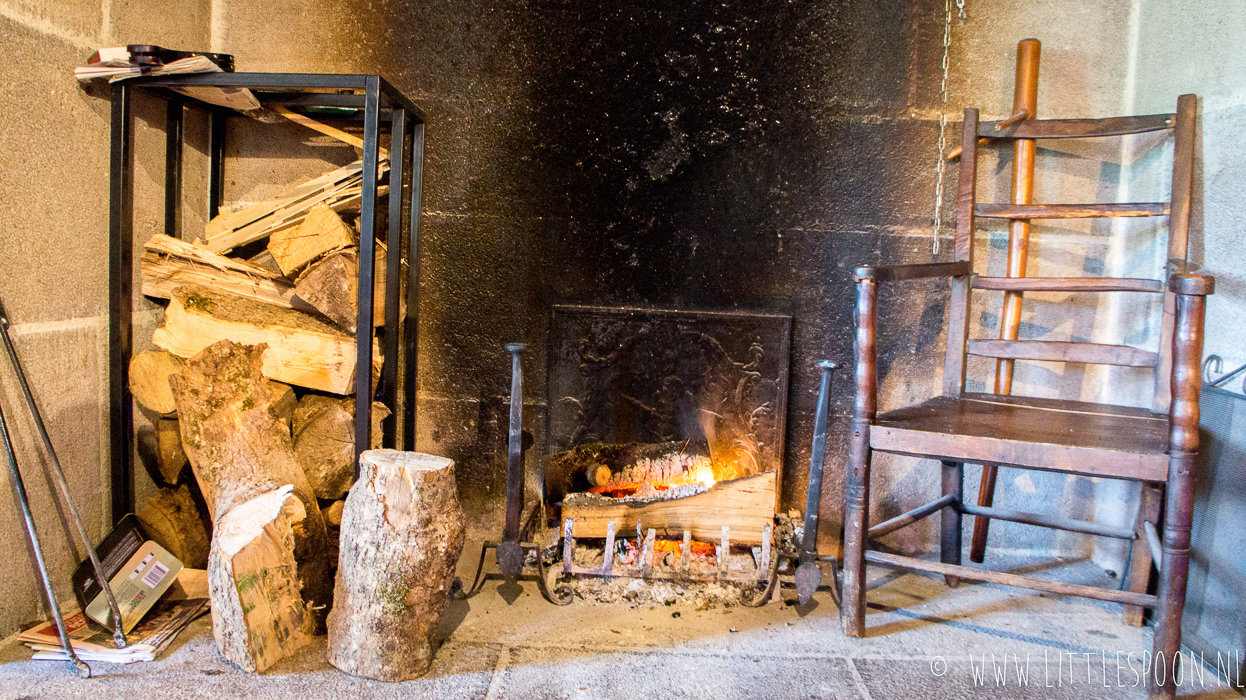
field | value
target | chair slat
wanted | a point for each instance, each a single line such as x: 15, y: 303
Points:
x: 1078, y: 128
x: 1068, y: 284
x: 1070, y: 211
x: 1055, y: 351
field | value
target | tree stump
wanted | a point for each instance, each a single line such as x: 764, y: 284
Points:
x: 240, y: 451
x: 402, y: 533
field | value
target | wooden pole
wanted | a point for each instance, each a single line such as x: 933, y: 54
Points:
x: 1024, y: 98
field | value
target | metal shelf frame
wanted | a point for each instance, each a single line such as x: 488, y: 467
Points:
x: 379, y: 106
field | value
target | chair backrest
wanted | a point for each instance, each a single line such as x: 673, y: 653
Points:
x: 1177, y: 209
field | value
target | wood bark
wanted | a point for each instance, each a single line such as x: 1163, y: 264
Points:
x: 301, y: 350
x: 258, y: 614
x: 331, y: 286
x: 598, y: 464
x: 402, y: 533
x: 324, y: 442
x: 170, y: 457
x: 149, y: 380
x: 323, y: 231
x: 172, y: 519
x: 284, y: 402
x: 239, y: 451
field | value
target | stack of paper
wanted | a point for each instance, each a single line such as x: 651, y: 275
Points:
x: 152, y: 636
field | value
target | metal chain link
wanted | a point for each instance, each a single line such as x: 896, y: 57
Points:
x: 940, y: 163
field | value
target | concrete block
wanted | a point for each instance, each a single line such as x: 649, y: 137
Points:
x: 63, y: 368
x: 184, y: 24
x: 54, y: 146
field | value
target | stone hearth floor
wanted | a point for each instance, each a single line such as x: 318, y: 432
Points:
x: 925, y: 641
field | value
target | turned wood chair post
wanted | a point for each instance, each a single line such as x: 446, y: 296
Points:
x: 857, y: 477
x: 1191, y: 301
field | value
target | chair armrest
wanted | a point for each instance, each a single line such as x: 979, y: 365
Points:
x: 896, y: 273
x: 1192, y: 284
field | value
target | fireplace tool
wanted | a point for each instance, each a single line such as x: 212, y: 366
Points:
x: 511, y: 552
x: 118, y: 633
x: 808, y: 574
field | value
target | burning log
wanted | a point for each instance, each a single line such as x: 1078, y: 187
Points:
x: 301, y: 350
x: 267, y: 565
x: 324, y: 442
x: 746, y: 505
x: 402, y: 533
x: 621, y: 469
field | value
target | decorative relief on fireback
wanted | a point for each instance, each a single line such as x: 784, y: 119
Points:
x: 717, y: 380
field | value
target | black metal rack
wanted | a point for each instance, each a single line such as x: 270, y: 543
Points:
x: 377, y: 103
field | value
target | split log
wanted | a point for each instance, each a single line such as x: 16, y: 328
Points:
x: 239, y: 452
x: 258, y: 614
x: 284, y: 402
x: 169, y: 263
x: 265, y: 260
x: 402, y: 533
x: 746, y: 505
x: 331, y: 286
x: 172, y: 519
x: 324, y: 442
x: 170, y: 457
x: 149, y: 380
x: 323, y: 231
x: 333, y: 514
x: 301, y: 350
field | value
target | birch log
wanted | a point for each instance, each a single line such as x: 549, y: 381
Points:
x: 240, y: 452
x: 258, y: 614
x: 402, y: 533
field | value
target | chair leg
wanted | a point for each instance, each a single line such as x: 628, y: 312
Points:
x: 1138, y: 571
x: 1178, y: 516
x: 950, y: 527
x: 856, y: 524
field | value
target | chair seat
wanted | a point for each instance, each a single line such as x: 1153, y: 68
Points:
x: 1049, y: 434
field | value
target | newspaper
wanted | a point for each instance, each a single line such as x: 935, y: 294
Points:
x: 114, y: 64
x: 148, y: 639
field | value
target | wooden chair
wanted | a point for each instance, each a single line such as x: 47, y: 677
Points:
x: 1155, y: 446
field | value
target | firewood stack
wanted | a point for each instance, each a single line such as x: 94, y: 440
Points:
x: 251, y: 384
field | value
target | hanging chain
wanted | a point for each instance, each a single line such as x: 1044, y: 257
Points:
x: 940, y: 162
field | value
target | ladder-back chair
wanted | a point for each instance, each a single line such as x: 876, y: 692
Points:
x: 1155, y: 446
